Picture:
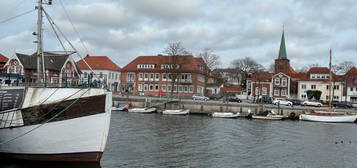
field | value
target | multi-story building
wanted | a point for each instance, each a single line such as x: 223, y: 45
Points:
x: 102, y: 71
x: 350, y: 80
x: 150, y: 74
x: 317, y: 79
x: 60, y: 69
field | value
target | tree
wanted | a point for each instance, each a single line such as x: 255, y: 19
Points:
x: 174, y: 50
x: 212, y: 62
x: 343, y: 67
x: 246, y: 67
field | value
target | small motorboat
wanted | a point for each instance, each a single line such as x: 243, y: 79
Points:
x: 224, y: 115
x: 121, y: 107
x: 142, y: 110
x: 268, y: 115
x: 177, y: 112
x: 334, y: 117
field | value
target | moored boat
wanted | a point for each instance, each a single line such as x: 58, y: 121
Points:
x: 177, y: 112
x: 142, y: 110
x: 224, y: 115
x: 121, y: 107
x: 334, y: 117
x: 56, y: 124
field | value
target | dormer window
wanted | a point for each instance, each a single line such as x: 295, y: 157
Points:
x: 145, y: 66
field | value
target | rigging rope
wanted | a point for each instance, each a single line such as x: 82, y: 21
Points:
x: 37, y: 127
x: 74, y: 28
x: 54, y: 29
x: 14, y: 17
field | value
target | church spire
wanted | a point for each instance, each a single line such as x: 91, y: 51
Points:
x: 282, y: 50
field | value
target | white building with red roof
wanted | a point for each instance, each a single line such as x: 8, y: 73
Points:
x: 104, y: 71
x: 150, y: 74
x: 351, y: 84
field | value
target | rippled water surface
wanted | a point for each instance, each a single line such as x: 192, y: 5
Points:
x: 155, y: 140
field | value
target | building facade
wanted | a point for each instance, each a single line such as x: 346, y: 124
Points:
x: 181, y: 76
x: 60, y: 69
x: 103, y: 72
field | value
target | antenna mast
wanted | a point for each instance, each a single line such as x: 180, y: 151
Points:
x: 330, y: 81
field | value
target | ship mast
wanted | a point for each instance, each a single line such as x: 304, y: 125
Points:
x: 330, y: 81
x: 39, y: 34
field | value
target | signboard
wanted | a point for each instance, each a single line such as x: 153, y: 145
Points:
x: 11, y: 98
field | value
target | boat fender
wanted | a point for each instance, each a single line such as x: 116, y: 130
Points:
x: 292, y: 115
x: 249, y: 116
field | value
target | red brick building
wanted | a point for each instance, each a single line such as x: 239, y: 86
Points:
x: 150, y: 74
x: 3, y: 61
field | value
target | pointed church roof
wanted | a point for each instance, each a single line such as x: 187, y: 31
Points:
x: 282, y: 50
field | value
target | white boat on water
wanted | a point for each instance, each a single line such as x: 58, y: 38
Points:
x: 142, y: 110
x: 269, y: 117
x: 176, y: 112
x: 334, y: 117
x: 75, y: 127
x: 224, y: 115
x: 49, y: 122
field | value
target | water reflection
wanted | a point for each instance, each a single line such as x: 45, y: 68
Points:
x: 27, y: 164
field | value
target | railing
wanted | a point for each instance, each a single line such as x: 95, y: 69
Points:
x: 10, y: 118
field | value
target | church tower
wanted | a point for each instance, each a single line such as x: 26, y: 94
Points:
x: 282, y: 64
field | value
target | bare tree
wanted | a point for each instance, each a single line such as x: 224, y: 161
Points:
x: 271, y: 68
x: 343, y: 67
x: 246, y: 67
x: 212, y: 62
x: 174, y: 50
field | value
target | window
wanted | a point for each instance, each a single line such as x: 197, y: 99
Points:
x: 326, y: 87
x: 283, y: 82
x: 116, y: 76
x: 164, y: 77
x: 156, y: 87
x: 276, y: 92
x: 191, y: 89
x: 146, y: 87
x: 185, y: 88
x: 180, y: 89
x: 326, y: 97
x: 354, y: 80
x: 284, y: 92
x: 151, y: 87
x: 130, y: 77
x: 256, y: 90
x: 163, y: 88
x: 303, y: 86
x: 351, y: 89
x: 100, y: 74
x: 264, y: 91
x: 85, y: 74
x: 336, y: 87
x: 354, y: 99
x: 140, y: 76
x: 140, y: 87
x: 303, y: 96
x: 151, y: 76
x: 146, y: 75
x: 169, y: 88
x: 313, y: 86
x: 277, y: 81
x: 157, y: 76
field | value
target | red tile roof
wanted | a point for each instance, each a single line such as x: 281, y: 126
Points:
x: 98, y: 62
x: 262, y: 77
x: 186, y: 62
x: 3, y: 58
x: 318, y: 70
x: 352, y: 71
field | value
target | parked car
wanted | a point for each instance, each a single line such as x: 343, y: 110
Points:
x: 312, y: 103
x: 265, y: 99
x: 200, y: 97
x: 295, y: 101
x: 342, y: 104
x: 234, y: 99
x: 215, y: 96
x: 282, y: 102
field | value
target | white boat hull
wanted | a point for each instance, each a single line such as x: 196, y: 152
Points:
x: 269, y: 117
x: 225, y: 115
x: 142, y: 110
x: 329, y: 118
x: 79, y: 139
x: 176, y: 112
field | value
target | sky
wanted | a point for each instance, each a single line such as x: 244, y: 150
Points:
x: 233, y: 29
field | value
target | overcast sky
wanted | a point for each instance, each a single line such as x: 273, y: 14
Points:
x: 124, y: 29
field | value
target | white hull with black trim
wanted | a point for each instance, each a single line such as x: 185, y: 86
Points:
x: 78, y: 133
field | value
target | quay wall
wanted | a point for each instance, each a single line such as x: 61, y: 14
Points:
x: 206, y: 107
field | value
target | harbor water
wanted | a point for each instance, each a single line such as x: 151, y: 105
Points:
x: 155, y: 140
